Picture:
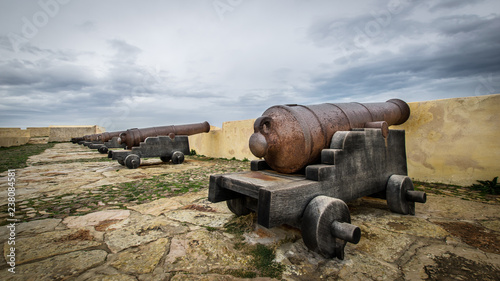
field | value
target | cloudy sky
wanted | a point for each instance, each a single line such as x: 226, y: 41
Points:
x: 123, y: 64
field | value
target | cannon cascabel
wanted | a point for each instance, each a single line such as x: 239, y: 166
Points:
x: 289, y: 137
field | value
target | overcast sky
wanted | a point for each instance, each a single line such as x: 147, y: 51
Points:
x: 122, y: 64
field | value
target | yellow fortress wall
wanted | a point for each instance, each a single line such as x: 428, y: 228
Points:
x: 65, y: 133
x: 13, y: 137
x: 228, y: 142
x: 454, y: 141
x: 39, y: 131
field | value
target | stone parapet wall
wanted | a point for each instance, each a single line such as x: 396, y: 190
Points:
x: 228, y: 142
x: 65, y: 133
x: 454, y: 141
x: 13, y: 137
x: 39, y: 131
x: 16, y: 136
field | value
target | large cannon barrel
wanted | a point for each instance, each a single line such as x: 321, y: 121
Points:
x: 133, y: 137
x: 289, y: 137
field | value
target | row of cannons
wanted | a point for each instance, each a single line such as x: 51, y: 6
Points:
x: 312, y: 161
x: 169, y: 143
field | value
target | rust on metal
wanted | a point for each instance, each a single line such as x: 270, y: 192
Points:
x: 289, y: 137
x: 133, y: 137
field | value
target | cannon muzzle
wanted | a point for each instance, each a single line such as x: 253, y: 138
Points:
x: 289, y: 137
x: 133, y: 137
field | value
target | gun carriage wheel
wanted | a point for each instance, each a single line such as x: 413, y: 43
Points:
x: 132, y: 161
x: 177, y: 157
x: 326, y: 227
x: 103, y: 150
x: 237, y: 206
x: 400, y: 195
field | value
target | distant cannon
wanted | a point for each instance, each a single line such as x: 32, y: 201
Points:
x: 133, y: 137
x: 76, y: 140
x: 165, y: 148
x: 322, y: 156
x: 170, y: 143
x: 87, y: 140
x: 107, y: 140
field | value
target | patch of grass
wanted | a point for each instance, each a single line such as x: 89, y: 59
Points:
x: 481, y: 192
x: 487, y: 187
x: 15, y: 157
x: 263, y: 260
x: 261, y: 263
x: 211, y: 229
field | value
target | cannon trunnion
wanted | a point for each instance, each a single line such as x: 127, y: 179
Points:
x: 358, y: 163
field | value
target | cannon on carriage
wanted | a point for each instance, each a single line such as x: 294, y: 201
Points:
x: 169, y: 143
x: 315, y: 159
x: 105, y: 141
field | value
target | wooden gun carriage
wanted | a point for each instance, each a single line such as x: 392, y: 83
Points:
x: 364, y: 160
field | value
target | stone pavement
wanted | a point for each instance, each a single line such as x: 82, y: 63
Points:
x: 89, y: 218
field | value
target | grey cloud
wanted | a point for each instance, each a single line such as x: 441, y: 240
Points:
x: 452, y: 25
x: 452, y: 4
x: 382, y: 22
x: 124, y: 52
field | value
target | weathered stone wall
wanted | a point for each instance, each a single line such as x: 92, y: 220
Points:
x: 454, y: 141
x: 228, y: 142
x: 16, y: 136
x: 13, y: 137
x: 65, y: 133
x: 39, y: 131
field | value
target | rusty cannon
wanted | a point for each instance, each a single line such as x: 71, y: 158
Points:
x: 77, y: 140
x: 107, y: 140
x: 89, y: 140
x: 170, y: 143
x: 133, y: 137
x: 102, y: 142
x: 315, y: 159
